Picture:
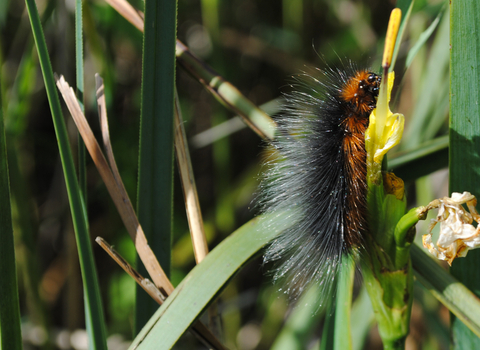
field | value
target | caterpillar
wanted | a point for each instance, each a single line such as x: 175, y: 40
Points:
x: 318, y: 176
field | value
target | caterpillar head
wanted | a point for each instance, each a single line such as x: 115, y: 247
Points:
x: 361, y: 91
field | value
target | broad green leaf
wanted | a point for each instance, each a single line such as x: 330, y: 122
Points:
x: 205, y: 281
x: 465, y: 137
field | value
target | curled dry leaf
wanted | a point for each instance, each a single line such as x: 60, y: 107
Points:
x: 457, y: 234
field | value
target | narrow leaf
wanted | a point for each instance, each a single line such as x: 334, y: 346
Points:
x: 155, y: 178
x: 449, y: 291
x: 10, y: 333
x: 119, y: 195
x: 422, y: 40
x: 93, y: 304
x: 343, y: 337
x: 423, y: 160
x: 222, y: 90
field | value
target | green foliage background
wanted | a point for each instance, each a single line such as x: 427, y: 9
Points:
x: 257, y: 46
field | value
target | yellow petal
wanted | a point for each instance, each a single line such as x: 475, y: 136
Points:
x: 384, y: 131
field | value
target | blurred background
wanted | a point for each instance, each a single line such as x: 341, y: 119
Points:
x: 257, y: 46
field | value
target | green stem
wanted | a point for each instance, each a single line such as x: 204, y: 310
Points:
x: 387, y: 268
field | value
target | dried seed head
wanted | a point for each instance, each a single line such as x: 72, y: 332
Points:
x: 457, y: 234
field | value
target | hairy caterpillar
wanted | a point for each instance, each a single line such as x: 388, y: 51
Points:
x: 318, y: 175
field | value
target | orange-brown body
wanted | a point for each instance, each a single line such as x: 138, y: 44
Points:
x: 359, y: 95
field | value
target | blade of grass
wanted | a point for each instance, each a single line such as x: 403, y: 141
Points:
x: 222, y: 90
x: 155, y: 170
x: 227, y: 94
x: 145, y: 283
x: 327, y: 341
x: 20, y: 103
x: 423, y: 160
x: 406, y: 7
x: 81, y: 154
x: 337, y: 328
x: 93, y: 304
x: 232, y: 125
x: 82, y: 172
x: 422, y: 40
x: 115, y: 189
x: 198, y: 329
x: 449, y: 291
x: 102, y: 115
x: 363, y: 319
x: 205, y: 282
x: 194, y: 214
x: 343, y: 305
x: 192, y: 205
x: 465, y: 138
x: 10, y: 332
x: 119, y: 195
x: 431, y: 91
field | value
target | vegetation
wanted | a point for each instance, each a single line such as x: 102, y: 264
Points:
x: 66, y: 283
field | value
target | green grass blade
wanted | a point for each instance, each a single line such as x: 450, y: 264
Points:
x: 222, y: 90
x: 431, y: 97
x: 227, y: 94
x: 327, y: 339
x: 337, y: 328
x: 10, y: 333
x: 79, y: 50
x: 363, y: 319
x: 343, y: 336
x: 423, y: 160
x: 232, y: 125
x: 93, y: 304
x: 155, y: 180
x: 82, y: 172
x: 465, y: 137
x: 422, y: 40
x: 205, y: 281
x: 18, y: 109
x: 406, y: 7
x: 454, y: 295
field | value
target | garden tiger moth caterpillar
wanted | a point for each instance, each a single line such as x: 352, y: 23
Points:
x: 318, y: 176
